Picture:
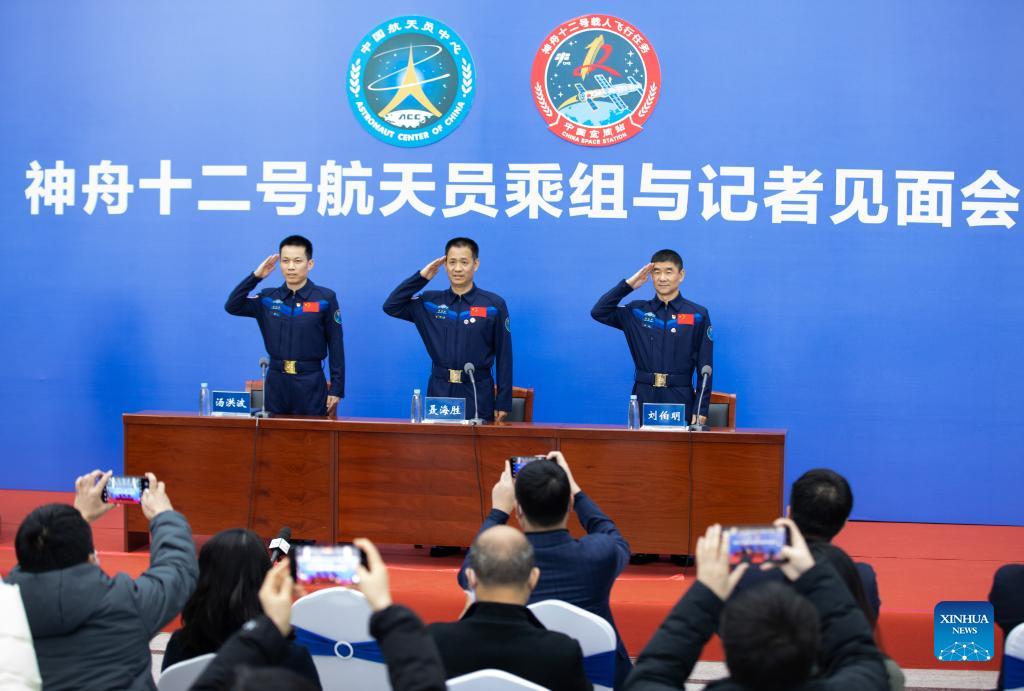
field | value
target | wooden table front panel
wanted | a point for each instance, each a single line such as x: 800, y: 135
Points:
x: 408, y: 487
x: 735, y: 482
x: 294, y: 483
x: 642, y: 484
x: 206, y: 470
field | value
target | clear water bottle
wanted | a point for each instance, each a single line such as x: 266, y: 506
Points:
x: 633, y: 416
x: 204, y: 399
x: 416, y: 413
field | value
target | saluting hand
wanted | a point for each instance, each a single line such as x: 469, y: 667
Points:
x: 268, y: 264
x: 640, y: 277
x: 431, y: 269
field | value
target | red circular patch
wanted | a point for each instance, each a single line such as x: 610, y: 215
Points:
x: 595, y: 80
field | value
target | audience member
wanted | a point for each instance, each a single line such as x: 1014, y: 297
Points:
x: 18, y: 667
x: 91, y: 630
x: 498, y: 631
x: 232, y: 566
x: 772, y: 635
x: 1007, y: 598
x: 580, y: 572
x: 252, y: 658
x: 820, y: 502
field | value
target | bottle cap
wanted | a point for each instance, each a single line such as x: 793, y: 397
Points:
x: 632, y: 397
x: 204, y: 385
x: 416, y: 391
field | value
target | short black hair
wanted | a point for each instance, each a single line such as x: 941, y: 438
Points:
x: 668, y: 256
x: 543, y: 492
x: 53, y: 537
x: 771, y: 635
x: 463, y: 242
x: 297, y: 241
x: 499, y: 563
x: 820, y: 502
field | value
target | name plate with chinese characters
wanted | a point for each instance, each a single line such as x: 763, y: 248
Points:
x: 230, y: 403
x: 667, y: 416
x: 440, y: 409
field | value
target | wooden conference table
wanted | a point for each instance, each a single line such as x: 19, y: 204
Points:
x: 400, y: 483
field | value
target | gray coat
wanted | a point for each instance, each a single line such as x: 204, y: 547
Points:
x: 92, y: 631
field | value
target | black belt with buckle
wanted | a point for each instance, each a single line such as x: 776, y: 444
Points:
x: 660, y: 381
x: 457, y: 376
x: 297, y: 366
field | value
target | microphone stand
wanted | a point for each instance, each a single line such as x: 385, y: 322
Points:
x: 697, y: 426
x: 264, y: 365
x: 476, y: 405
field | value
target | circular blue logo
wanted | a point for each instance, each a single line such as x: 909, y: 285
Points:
x: 411, y: 81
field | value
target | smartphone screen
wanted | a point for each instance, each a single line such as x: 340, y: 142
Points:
x: 517, y: 462
x: 125, y: 490
x: 756, y: 544
x: 335, y: 565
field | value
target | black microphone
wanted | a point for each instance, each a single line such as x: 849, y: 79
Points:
x: 469, y: 369
x: 280, y: 546
x: 705, y: 372
x: 264, y: 365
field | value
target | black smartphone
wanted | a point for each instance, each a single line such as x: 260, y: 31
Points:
x: 330, y: 564
x: 756, y: 544
x: 516, y: 463
x: 125, y: 490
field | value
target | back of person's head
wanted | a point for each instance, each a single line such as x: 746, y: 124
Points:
x: 771, y: 635
x: 262, y: 678
x: 232, y: 565
x: 52, y: 537
x: 543, y: 493
x: 502, y: 557
x: 820, y: 502
x: 825, y: 552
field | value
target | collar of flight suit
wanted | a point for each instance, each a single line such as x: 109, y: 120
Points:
x: 451, y: 296
x: 302, y: 293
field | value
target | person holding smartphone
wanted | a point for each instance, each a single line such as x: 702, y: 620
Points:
x: 301, y: 326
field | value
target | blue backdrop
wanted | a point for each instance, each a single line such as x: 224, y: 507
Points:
x: 889, y: 352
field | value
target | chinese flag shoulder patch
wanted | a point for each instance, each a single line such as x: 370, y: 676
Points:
x: 684, y: 319
x: 311, y: 307
x: 478, y: 312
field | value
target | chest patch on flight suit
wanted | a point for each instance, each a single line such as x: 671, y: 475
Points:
x: 684, y: 318
x: 311, y: 307
x: 478, y: 312
x: 648, y: 320
x: 440, y: 311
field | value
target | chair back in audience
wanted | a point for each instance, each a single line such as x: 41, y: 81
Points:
x: 334, y: 624
x: 1013, y: 659
x: 722, y: 409
x: 181, y: 675
x: 491, y: 680
x: 595, y: 636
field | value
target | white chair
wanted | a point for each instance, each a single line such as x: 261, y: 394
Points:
x: 595, y: 636
x: 491, y: 680
x: 181, y: 675
x: 1013, y: 659
x: 334, y: 624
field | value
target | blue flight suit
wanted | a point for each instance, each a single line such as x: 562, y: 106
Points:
x: 299, y: 329
x: 457, y: 329
x: 672, y: 339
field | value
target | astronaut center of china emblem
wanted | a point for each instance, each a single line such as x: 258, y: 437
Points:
x: 596, y: 80
x: 411, y: 81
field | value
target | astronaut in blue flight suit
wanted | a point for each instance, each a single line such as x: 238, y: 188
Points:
x: 301, y: 325
x: 669, y: 337
x: 461, y: 324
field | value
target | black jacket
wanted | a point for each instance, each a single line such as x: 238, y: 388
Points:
x: 492, y: 635
x: 847, y: 644
x: 1007, y: 598
x: 412, y: 660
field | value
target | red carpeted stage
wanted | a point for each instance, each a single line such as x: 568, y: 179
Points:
x: 918, y: 565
